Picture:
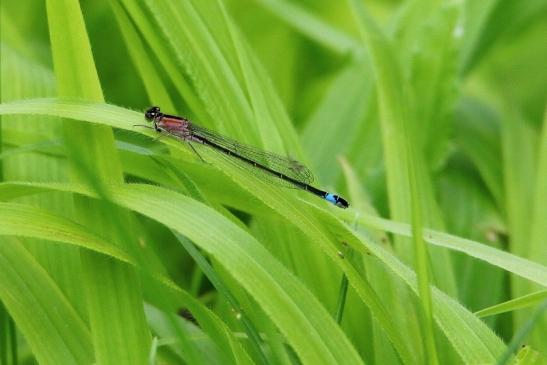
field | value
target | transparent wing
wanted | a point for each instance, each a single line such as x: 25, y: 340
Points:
x: 262, y: 175
x: 277, y: 163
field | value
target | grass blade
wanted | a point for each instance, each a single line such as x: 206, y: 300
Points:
x: 112, y: 291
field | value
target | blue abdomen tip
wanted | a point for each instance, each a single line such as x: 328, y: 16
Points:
x: 331, y: 198
x: 336, y: 200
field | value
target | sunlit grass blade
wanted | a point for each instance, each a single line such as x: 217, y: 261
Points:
x: 474, y: 345
x: 157, y: 44
x: 517, y: 265
x: 292, y: 307
x: 513, y: 304
x: 56, y: 229
x: 209, y: 272
x: 112, y: 294
x: 15, y: 218
x: 470, y: 337
x: 399, y: 142
x: 528, y: 356
x: 55, y: 331
x: 538, y: 231
x: 522, y: 333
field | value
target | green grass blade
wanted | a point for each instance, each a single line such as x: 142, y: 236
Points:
x: 294, y: 309
x: 528, y: 356
x: 394, y: 113
x: 333, y: 127
x: 240, y: 257
x: 489, y: 22
x: 514, y: 264
x: 471, y: 338
x: 53, y: 228
x: 311, y: 26
x: 211, y: 72
x: 149, y: 30
x: 8, y: 338
x: 54, y: 331
x: 156, y: 91
x: 521, y: 334
x: 476, y: 133
x: 215, y: 280
x: 513, y: 304
x: 114, y: 303
x: 15, y: 218
x: 538, y: 230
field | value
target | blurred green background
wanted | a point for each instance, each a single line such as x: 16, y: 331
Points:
x: 430, y: 113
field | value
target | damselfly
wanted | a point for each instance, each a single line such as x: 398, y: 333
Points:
x: 266, y: 164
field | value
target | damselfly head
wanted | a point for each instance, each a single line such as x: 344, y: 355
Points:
x: 152, y: 113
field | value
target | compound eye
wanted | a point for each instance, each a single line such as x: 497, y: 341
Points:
x: 152, y: 113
